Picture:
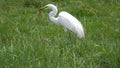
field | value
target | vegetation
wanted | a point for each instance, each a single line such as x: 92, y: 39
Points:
x: 31, y: 41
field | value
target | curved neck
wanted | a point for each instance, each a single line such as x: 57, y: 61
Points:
x: 52, y: 15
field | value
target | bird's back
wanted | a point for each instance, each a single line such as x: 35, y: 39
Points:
x: 71, y: 23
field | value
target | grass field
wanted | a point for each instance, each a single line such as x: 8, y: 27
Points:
x: 31, y: 41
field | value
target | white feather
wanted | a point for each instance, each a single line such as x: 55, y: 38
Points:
x: 71, y: 23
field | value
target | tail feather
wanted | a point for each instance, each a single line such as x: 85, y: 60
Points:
x: 80, y: 34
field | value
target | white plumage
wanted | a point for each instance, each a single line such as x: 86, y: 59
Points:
x: 65, y: 19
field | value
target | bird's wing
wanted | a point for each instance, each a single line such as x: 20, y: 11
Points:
x: 71, y: 23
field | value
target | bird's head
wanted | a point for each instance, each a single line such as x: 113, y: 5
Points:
x: 47, y: 6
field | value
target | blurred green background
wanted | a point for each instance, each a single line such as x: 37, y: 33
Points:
x: 31, y: 41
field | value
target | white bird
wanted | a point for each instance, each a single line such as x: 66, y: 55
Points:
x: 65, y: 19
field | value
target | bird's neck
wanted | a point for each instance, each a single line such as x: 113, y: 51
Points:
x: 52, y: 15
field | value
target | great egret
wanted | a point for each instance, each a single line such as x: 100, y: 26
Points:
x: 65, y: 19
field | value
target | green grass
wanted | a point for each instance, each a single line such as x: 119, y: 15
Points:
x: 31, y: 41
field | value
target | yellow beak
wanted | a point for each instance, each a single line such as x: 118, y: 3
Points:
x: 42, y: 8
x: 39, y: 13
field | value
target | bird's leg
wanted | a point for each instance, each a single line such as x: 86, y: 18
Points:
x: 66, y: 34
x: 65, y: 29
x: 70, y: 37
